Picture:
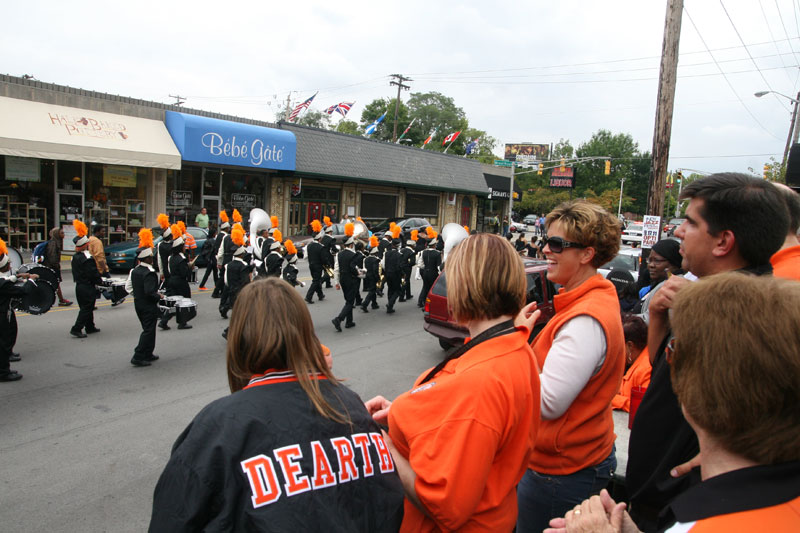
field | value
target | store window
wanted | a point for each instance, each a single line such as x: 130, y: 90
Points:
x: 70, y: 175
x: 26, y: 200
x: 183, y: 194
x: 423, y: 205
x: 244, y: 191
x: 115, y: 198
x: 375, y: 206
x: 309, y: 204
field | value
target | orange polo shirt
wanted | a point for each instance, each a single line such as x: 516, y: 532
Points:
x: 584, y: 435
x: 786, y: 263
x: 781, y: 518
x: 638, y: 375
x: 468, y: 433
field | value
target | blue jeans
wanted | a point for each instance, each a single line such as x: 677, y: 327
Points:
x: 542, y: 497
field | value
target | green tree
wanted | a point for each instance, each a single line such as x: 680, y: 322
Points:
x: 378, y: 107
x: 349, y: 127
x: 562, y: 149
x: 315, y: 119
x: 772, y: 171
x: 435, y: 110
x: 622, y: 150
x: 483, y: 150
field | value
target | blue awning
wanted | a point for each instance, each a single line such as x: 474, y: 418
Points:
x: 210, y: 140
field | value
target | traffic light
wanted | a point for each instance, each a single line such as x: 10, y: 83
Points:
x: 563, y: 164
x: 766, y: 171
x: 540, y: 166
x: 608, y: 167
x: 679, y: 177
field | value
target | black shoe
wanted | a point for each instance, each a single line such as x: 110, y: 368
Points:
x: 364, y: 309
x: 337, y: 324
x: 140, y: 362
x: 164, y: 327
x: 225, y: 334
x: 402, y: 299
x: 14, y: 358
x: 215, y: 295
x: 223, y: 314
x: 309, y: 301
x: 389, y: 310
x: 93, y: 330
x: 11, y: 375
x: 152, y: 358
x: 116, y: 303
x: 375, y: 306
x: 78, y: 334
x: 350, y: 325
x: 322, y: 297
x: 185, y: 326
x: 328, y: 286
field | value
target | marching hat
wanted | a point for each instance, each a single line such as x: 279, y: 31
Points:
x: 145, y: 243
x: 82, y: 230
x: 237, y: 236
x: 275, y: 246
x: 223, y: 216
x: 3, y: 253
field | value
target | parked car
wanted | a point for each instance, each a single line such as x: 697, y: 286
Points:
x: 672, y: 225
x: 632, y: 234
x: 530, y: 219
x: 628, y: 259
x: 440, y: 324
x: 520, y: 227
x: 408, y: 225
x: 121, y: 256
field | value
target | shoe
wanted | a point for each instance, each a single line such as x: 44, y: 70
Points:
x: 225, y: 334
x: 163, y: 327
x: 93, y: 330
x: 364, y: 309
x: 116, y: 303
x: 140, y: 362
x: 308, y: 301
x: 328, y: 286
x: 322, y: 297
x: 375, y: 306
x: 214, y: 295
x: 337, y: 324
x: 402, y: 299
x: 14, y: 358
x: 350, y: 325
x: 223, y: 314
x: 203, y: 289
x: 184, y: 326
x: 64, y: 303
x: 78, y: 334
x: 11, y: 375
x: 389, y: 310
x: 152, y: 358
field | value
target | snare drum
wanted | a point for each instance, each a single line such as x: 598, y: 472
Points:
x: 45, y: 273
x: 15, y: 258
x: 186, y: 310
x: 168, y: 305
x: 118, y: 291
x: 37, y: 301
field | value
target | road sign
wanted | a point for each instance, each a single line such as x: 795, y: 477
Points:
x: 502, y: 163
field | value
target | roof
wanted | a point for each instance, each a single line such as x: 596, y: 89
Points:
x: 348, y: 157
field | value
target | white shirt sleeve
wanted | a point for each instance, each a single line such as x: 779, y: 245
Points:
x: 129, y: 282
x: 577, y: 353
x: 336, y: 275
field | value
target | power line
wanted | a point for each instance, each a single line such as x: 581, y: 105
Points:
x: 769, y: 29
x: 780, y: 16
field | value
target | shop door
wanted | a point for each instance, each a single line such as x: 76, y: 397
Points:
x: 212, y: 209
x: 70, y: 207
x: 314, y: 211
x: 465, y: 215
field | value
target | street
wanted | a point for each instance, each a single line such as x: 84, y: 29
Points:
x: 86, y: 435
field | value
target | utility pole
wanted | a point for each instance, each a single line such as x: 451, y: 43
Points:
x: 288, y: 106
x: 792, y: 138
x: 666, y: 100
x: 398, y: 80
x: 179, y: 100
x: 621, y: 186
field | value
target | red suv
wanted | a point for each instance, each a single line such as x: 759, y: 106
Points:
x: 440, y: 324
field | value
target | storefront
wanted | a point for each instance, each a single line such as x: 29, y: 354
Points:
x: 495, y: 204
x: 60, y: 163
x: 226, y: 165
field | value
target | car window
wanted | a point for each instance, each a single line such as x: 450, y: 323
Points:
x: 534, y: 291
x: 622, y: 262
x: 440, y: 287
x: 197, y: 233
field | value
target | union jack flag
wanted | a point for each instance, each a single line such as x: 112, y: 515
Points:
x: 300, y: 107
x: 342, y: 108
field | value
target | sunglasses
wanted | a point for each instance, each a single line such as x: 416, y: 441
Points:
x: 557, y: 244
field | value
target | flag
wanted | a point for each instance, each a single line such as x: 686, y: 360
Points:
x: 472, y: 145
x: 300, y: 107
x: 430, y: 138
x: 406, y: 130
x: 342, y: 108
x: 450, y: 138
x: 372, y: 127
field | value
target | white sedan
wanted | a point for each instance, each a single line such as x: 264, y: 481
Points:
x: 632, y: 234
x: 519, y: 227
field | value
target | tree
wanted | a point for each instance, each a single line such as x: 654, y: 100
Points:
x: 562, y: 149
x: 378, y: 107
x: 773, y: 171
x: 315, y: 119
x: 622, y: 150
x: 435, y: 110
x: 349, y: 127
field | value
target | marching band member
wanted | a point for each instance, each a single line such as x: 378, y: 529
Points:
x: 226, y: 252
x: 274, y: 261
x: 372, y: 265
x: 8, y: 320
x: 328, y: 251
x: 315, y: 263
x: 87, y: 277
x: 346, y: 273
x: 143, y: 282
x: 429, y: 263
x: 164, y: 248
x: 189, y: 244
x: 409, y: 260
x: 386, y: 240
x: 179, y: 275
x: 290, y: 270
x: 393, y: 268
x: 237, y: 275
x: 359, y: 260
x: 219, y: 252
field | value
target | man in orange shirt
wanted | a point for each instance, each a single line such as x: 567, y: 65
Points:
x: 786, y: 261
x: 97, y: 251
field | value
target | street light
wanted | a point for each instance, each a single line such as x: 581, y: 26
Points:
x: 793, y: 130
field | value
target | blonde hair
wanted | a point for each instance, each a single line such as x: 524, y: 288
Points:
x: 591, y: 226
x: 485, y: 278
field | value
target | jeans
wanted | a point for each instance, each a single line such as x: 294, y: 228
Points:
x: 542, y: 497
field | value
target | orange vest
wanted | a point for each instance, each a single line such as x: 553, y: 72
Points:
x: 638, y: 375
x: 786, y: 263
x: 584, y: 435
x: 781, y: 518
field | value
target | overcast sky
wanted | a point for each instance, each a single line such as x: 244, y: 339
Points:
x: 522, y: 71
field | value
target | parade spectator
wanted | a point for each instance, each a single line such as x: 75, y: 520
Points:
x: 637, y: 360
x: 97, y: 251
x: 664, y: 261
x: 505, y: 225
x: 581, y: 354
x: 719, y: 235
x: 749, y: 457
x: 461, y: 437
x: 52, y: 260
x: 263, y: 458
x: 201, y: 220
x: 520, y: 245
x: 786, y: 261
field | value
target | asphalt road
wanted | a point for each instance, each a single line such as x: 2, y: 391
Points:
x: 85, y: 435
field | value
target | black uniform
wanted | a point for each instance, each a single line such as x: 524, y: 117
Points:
x: 237, y: 275
x: 8, y: 320
x: 227, y: 247
x: 348, y: 277
x: 220, y: 285
x: 359, y: 259
x: 393, y: 269
x: 372, y: 264
x: 384, y: 244
x: 86, y: 276
x: 290, y: 274
x: 274, y: 262
x: 422, y: 242
x: 144, y: 281
x: 409, y: 260
x: 328, y: 252
x: 431, y: 263
x: 209, y: 254
x: 225, y: 472
x: 163, y: 253
x: 315, y: 264
x: 177, y: 285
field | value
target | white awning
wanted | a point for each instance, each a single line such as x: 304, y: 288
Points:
x: 34, y: 129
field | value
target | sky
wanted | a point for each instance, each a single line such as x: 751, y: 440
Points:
x: 522, y: 71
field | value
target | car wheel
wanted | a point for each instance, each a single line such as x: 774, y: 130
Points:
x: 444, y: 344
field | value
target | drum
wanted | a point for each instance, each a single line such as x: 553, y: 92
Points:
x: 39, y: 300
x: 118, y: 291
x: 45, y: 273
x: 186, y: 309
x: 15, y: 258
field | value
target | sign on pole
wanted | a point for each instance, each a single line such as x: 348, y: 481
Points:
x: 502, y: 163
x: 651, y: 230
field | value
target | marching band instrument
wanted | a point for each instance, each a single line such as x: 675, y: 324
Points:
x: 43, y: 296
x: 452, y: 234
x: 360, y: 231
x: 259, y: 221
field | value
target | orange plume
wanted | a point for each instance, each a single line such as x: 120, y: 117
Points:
x: 327, y: 221
x: 80, y: 227
x: 145, y: 238
x: 430, y: 232
x: 359, y: 219
x: 434, y: 235
x: 316, y: 226
x: 274, y: 220
x: 466, y: 228
x: 163, y: 220
x: 175, y: 231
x: 182, y: 225
x: 414, y: 234
x: 373, y: 242
x: 3, y: 247
x: 237, y: 216
x: 223, y: 216
x: 277, y: 235
x: 237, y: 235
x: 392, y: 225
x: 396, y: 230
x: 290, y: 247
x: 349, y: 229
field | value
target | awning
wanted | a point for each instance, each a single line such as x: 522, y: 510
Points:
x: 211, y: 140
x: 34, y: 129
x: 499, y: 186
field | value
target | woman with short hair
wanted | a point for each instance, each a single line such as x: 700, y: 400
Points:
x: 581, y: 353
x: 637, y: 358
x: 461, y: 437
x: 291, y: 449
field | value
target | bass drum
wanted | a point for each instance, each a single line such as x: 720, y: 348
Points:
x: 45, y: 273
x: 39, y: 300
x: 15, y: 258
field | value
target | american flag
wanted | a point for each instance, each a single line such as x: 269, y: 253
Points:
x: 300, y: 107
x: 342, y: 108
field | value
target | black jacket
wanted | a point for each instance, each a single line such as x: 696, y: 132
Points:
x: 348, y: 266
x: 314, y: 250
x: 228, y: 469
x: 84, y: 270
x: 145, y: 288
x: 432, y: 262
x: 409, y: 258
x: 179, y: 276
x: 393, y: 262
x: 237, y: 275
x: 372, y: 264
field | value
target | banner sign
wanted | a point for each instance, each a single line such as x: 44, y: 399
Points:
x: 180, y: 198
x: 521, y: 151
x: 243, y: 200
x: 119, y: 176
x: 564, y: 179
x: 22, y: 169
x: 297, y: 187
x: 651, y: 231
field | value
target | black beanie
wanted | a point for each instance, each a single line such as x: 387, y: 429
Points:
x: 669, y: 249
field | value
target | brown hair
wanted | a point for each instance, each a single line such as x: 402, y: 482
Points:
x: 485, y: 278
x: 635, y: 330
x: 590, y: 225
x: 271, y: 328
x: 736, y: 363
